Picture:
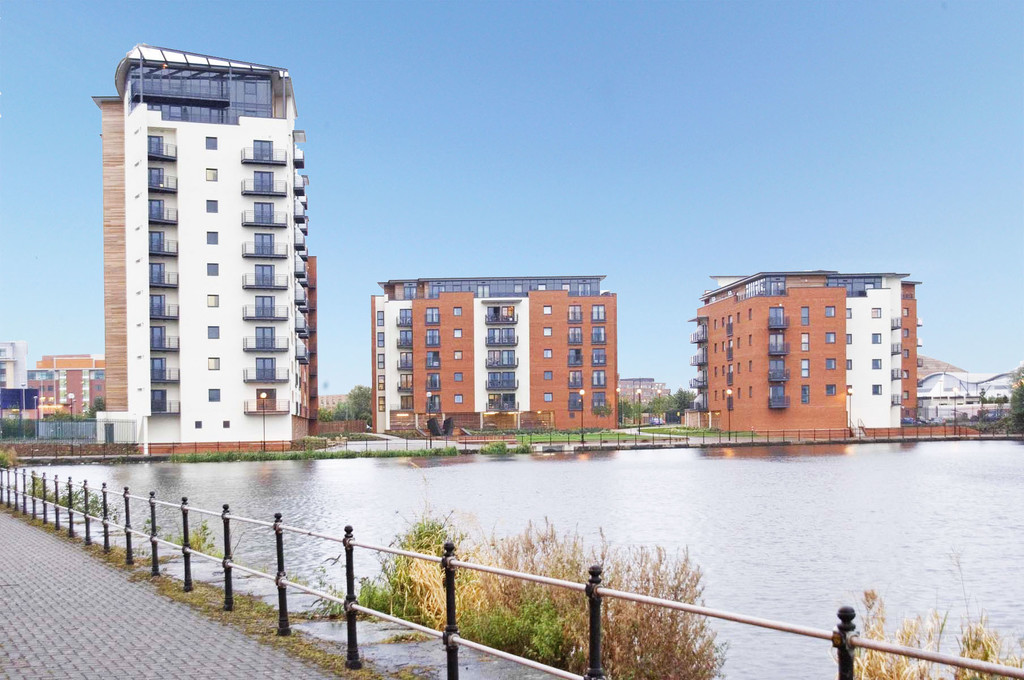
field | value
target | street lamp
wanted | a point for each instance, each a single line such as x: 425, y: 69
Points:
x: 263, y: 409
x: 618, y: 413
x: 582, y: 409
x: 728, y: 408
x: 71, y: 404
x: 956, y: 396
x: 639, y: 407
x: 849, y: 408
x: 430, y: 433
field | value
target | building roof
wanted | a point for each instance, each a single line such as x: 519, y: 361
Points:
x: 740, y: 280
x: 179, y: 58
x: 391, y: 282
x: 928, y: 365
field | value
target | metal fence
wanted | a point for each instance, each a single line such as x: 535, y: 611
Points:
x: 63, y: 431
x: 843, y: 638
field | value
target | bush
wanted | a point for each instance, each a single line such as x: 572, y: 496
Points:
x: 8, y: 458
x: 313, y: 443
x: 550, y: 624
x: 494, y: 448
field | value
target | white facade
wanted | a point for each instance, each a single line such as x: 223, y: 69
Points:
x: 874, y: 353
x: 13, y: 364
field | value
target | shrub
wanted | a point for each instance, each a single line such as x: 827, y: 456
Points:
x: 494, y: 448
x: 313, y: 443
x: 200, y: 539
x: 8, y: 458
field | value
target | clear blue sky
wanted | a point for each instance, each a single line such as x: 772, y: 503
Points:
x: 657, y: 143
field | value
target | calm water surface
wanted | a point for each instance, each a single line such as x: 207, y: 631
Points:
x: 789, y: 533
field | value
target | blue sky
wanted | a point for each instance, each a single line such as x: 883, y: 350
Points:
x: 656, y: 143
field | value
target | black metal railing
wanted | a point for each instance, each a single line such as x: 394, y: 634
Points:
x: 698, y: 383
x: 164, y: 407
x: 575, y: 361
x: 778, y: 374
x: 699, y: 335
x: 501, y: 363
x: 203, y: 90
x: 501, y: 318
x: 404, y: 365
x: 264, y: 156
x: 896, y: 348
x: 165, y: 247
x: 699, y: 359
x: 492, y: 341
x: 403, y: 322
x: 79, y: 515
x: 728, y: 329
x: 267, y: 406
x: 405, y: 387
x: 403, y: 343
x: 163, y: 215
x: 165, y: 184
x: 728, y: 354
x: 269, y: 375
x: 258, y: 344
x: 503, y: 406
x: 164, y: 375
x: 776, y: 349
x: 778, y: 402
x: 163, y: 279
x: 502, y: 384
x: 164, y: 311
x: 162, y: 152
x: 777, y: 322
x: 167, y: 343
x: 265, y: 313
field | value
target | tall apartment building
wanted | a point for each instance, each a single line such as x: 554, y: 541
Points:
x: 13, y: 363
x: 500, y: 353
x: 209, y: 292
x: 649, y: 389
x: 68, y: 382
x: 814, y: 349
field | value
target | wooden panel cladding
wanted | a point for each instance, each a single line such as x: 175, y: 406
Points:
x: 114, y: 289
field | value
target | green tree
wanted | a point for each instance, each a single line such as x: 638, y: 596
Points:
x: 684, y: 399
x: 325, y: 415
x: 99, y: 404
x: 1017, y: 401
x: 360, y: 403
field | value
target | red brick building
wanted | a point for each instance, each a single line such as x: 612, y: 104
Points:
x: 68, y: 382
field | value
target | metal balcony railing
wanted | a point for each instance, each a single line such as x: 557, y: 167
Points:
x: 699, y: 335
x: 598, y: 341
x: 575, y: 361
x: 777, y: 322
x: 575, y: 339
x: 265, y: 375
x: 896, y: 323
x: 265, y: 313
x: 503, y: 406
x: 432, y: 385
x: 728, y: 329
x: 267, y: 407
x: 258, y: 344
x: 198, y: 90
x: 164, y: 311
x: 728, y: 354
x: 896, y: 374
x: 264, y: 157
x: 699, y: 359
x: 575, y: 384
x: 163, y: 215
x: 252, y: 187
x: 698, y: 383
x: 254, y: 218
x: 776, y: 349
x: 163, y: 279
x: 575, y: 318
x: 301, y: 353
x: 403, y: 343
x: 897, y: 348
x: 403, y: 322
x: 405, y: 387
x: 498, y: 319
x: 501, y: 342
x: 270, y: 250
x: 501, y: 363
x: 300, y: 157
x: 168, y: 343
x: 299, y: 183
x: 728, y: 379
x: 166, y: 247
x: 163, y: 408
x: 778, y: 374
x: 896, y: 400
x: 162, y: 152
x: 502, y: 384
x: 164, y: 375
x: 778, y: 402
x: 258, y: 281
x: 168, y: 184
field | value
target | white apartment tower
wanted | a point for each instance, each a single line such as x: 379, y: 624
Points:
x: 209, y: 291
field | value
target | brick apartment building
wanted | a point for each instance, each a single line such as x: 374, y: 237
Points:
x: 813, y: 349
x: 60, y: 376
x: 494, y: 353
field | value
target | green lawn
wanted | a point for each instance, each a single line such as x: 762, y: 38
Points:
x: 596, y: 437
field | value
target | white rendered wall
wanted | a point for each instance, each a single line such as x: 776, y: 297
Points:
x: 866, y: 408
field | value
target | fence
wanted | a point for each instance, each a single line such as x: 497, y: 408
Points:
x: 69, y: 431
x: 842, y: 638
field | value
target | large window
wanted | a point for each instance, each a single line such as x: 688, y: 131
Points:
x: 597, y: 335
x: 597, y: 313
x: 433, y: 338
x: 575, y: 335
x: 433, y: 315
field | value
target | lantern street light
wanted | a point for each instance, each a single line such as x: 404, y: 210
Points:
x: 71, y: 404
x: 618, y: 413
x: 639, y: 409
x: 728, y: 408
x: 430, y: 433
x: 849, y: 408
x: 582, y: 409
x: 263, y: 409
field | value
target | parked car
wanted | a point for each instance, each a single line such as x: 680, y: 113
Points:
x: 657, y: 421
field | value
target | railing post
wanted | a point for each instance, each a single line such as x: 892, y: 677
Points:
x: 85, y: 508
x: 106, y: 520
x: 71, y: 510
x: 594, y: 599
x: 451, y: 626
x: 282, y: 590
x: 128, y: 558
x: 45, y: 518
x: 229, y: 597
x: 840, y: 640
x: 352, y: 660
x: 186, y: 547
x: 34, y: 478
x: 6, y: 474
x: 56, y: 503
x: 154, y: 569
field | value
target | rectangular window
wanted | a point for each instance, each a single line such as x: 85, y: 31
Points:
x: 212, y: 269
x: 849, y: 313
x: 211, y: 238
x: 575, y: 313
x: 805, y: 368
x: 213, y: 332
x: 805, y: 394
x: 547, y: 332
x: 849, y: 364
x: 227, y: 424
x: 876, y: 338
x: 380, y: 362
x: 805, y: 316
x: 597, y: 335
x: 906, y: 311
x: 597, y: 313
x: 380, y: 319
x: 380, y: 339
x: 598, y: 357
x: 547, y: 354
x: 547, y: 309
x: 213, y: 394
x: 213, y: 363
x: 876, y: 312
x: 433, y: 315
x: 433, y: 359
x: 458, y: 354
x: 458, y: 332
x: 597, y: 379
x: 211, y: 174
x: 213, y: 301
x: 830, y: 364
x: 549, y: 397
x: 456, y: 311
x: 548, y: 375
x: 211, y: 206
x: 406, y: 402
x: 199, y: 424
x: 575, y: 335
x: 458, y: 377
x: 597, y: 401
x: 805, y: 342
x: 876, y: 364
x: 458, y: 398
x: 211, y: 143
x: 830, y: 311
x: 433, y: 338
x: 830, y: 390
x: 381, y: 404
x: 906, y: 332
x: 830, y: 338
x: 876, y: 390
x: 849, y: 338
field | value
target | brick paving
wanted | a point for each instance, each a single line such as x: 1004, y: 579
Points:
x: 66, y: 615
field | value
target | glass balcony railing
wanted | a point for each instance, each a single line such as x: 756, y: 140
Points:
x: 254, y: 218
x: 265, y: 313
x: 265, y: 250
x: 265, y: 375
x: 258, y: 344
x: 263, y: 156
x: 252, y: 187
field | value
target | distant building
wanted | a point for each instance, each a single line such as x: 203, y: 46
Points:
x: 332, y: 401
x: 71, y: 382
x: 649, y: 389
x: 807, y: 349
x: 938, y: 393
x: 13, y: 363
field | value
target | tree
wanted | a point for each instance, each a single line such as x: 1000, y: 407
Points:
x: 99, y: 404
x: 325, y: 415
x: 360, y: 403
x: 684, y: 399
x: 1017, y: 400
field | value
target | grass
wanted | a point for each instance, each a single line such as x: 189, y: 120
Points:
x: 8, y: 458
x: 250, y: 456
x: 501, y: 448
x: 571, y: 436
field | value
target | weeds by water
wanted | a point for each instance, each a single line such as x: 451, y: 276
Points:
x: 501, y: 448
x: 8, y: 458
x: 250, y: 456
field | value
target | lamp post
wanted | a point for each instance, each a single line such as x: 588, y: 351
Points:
x: 582, y: 409
x: 71, y: 404
x: 728, y: 409
x: 263, y: 409
x: 956, y: 396
x: 618, y: 412
x: 430, y: 434
x: 21, y: 413
x: 849, y: 408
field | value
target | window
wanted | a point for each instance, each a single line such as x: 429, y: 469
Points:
x: 547, y: 309
x: 830, y: 311
x: 380, y: 382
x: 906, y: 354
x: 458, y: 398
x: 211, y: 206
x: 380, y: 318
x: 906, y: 394
x: 876, y: 338
x: 549, y: 397
x: 805, y: 342
x: 849, y: 364
x: 830, y: 390
x: 380, y: 339
x: 597, y: 401
x: 598, y: 356
x: 213, y: 363
x: 906, y: 332
x: 575, y: 313
x: 597, y: 335
x: 380, y: 361
x: 547, y: 354
x: 575, y: 335
x: 876, y: 389
x: 805, y: 394
x: 458, y: 354
x: 211, y: 174
x: 433, y: 338
x: 830, y: 364
x: 805, y: 316
x: 406, y: 402
x: 576, y: 379
x: 199, y: 424
x: 433, y: 315
x: 458, y: 377
x: 211, y: 238
x: 876, y: 364
x: 458, y: 332
x: 212, y: 269
x: 805, y: 368
x: 597, y: 313
x: 547, y: 375
x: 211, y: 143
x: 227, y: 424
x: 597, y: 379
x: 876, y: 312
x: 456, y: 311
x: 433, y: 359
x: 849, y: 338
x: 213, y: 332
x: 906, y: 311
x: 547, y: 332
x: 213, y: 394
x: 213, y: 301
x: 830, y: 338
x: 381, y: 404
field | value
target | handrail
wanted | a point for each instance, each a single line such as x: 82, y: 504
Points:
x: 842, y: 638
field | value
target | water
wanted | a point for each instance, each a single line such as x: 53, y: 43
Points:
x: 789, y: 533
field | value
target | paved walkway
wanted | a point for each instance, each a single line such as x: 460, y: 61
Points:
x: 66, y: 615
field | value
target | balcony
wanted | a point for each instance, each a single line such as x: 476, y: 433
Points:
x: 302, y: 329
x: 699, y: 335
x: 299, y: 213
x: 163, y: 185
x: 728, y: 379
x: 165, y: 311
x: 896, y: 400
x: 499, y: 319
x: 575, y: 340
x: 164, y: 375
x: 777, y: 322
x: 575, y: 361
x: 503, y: 406
x: 265, y: 375
x: 432, y: 385
x: 503, y: 384
x: 405, y: 387
x: 258, y: 282
x: 728, y: 329
x: 276, y: 251
x: 778, y: 402
x: 698, y: 383
x: 265, y: 313
x: 165, y: 248
x: 575, y: 318
x: 404, y: 343
x: 699, y: 404
x: 301, y: 353
x: 256, y: 344
x: 778, y: 374
x: 264, y: 157
x: 301, y: 300
x: 300, y: 157
x: 163, y: 279
x: 501, y: 363
x: 404, y: 322
x: 300, y: 241
x: 728, y: 354
x: 778, y: 349
x: 275, y: 220
x: 299, y: 183
x: 274, y: 407
x: 168, y: 343
x: 164, y: 408
x: 896, y: 374
x: 896, y: 348
x: 251, y: 187
x: 599, y: 362
x: 162, y: 152
x: 896, y: 323
x: 501, y: 342
x: 599, y: 341
x: 163, y: 215
x: 299, y: 268
x: 575, y: 384
x: 700, y: 358
x: 201, y: 92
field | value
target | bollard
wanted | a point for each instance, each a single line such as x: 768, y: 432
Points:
x: 229, y: 598
x: 352, y: 660
x: 282, y: 590
x: 128, y: 557
x: 451, y: 626
x: 34, y: 478
x: 155, y: 562
x: 56, y: 503
x: 44, y: 499
x: 840, y: 640
x: 106, y: 521
x: 594, y: 599
x: 186, y: 550
x: 85, y: 510
x: 71, y: 512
